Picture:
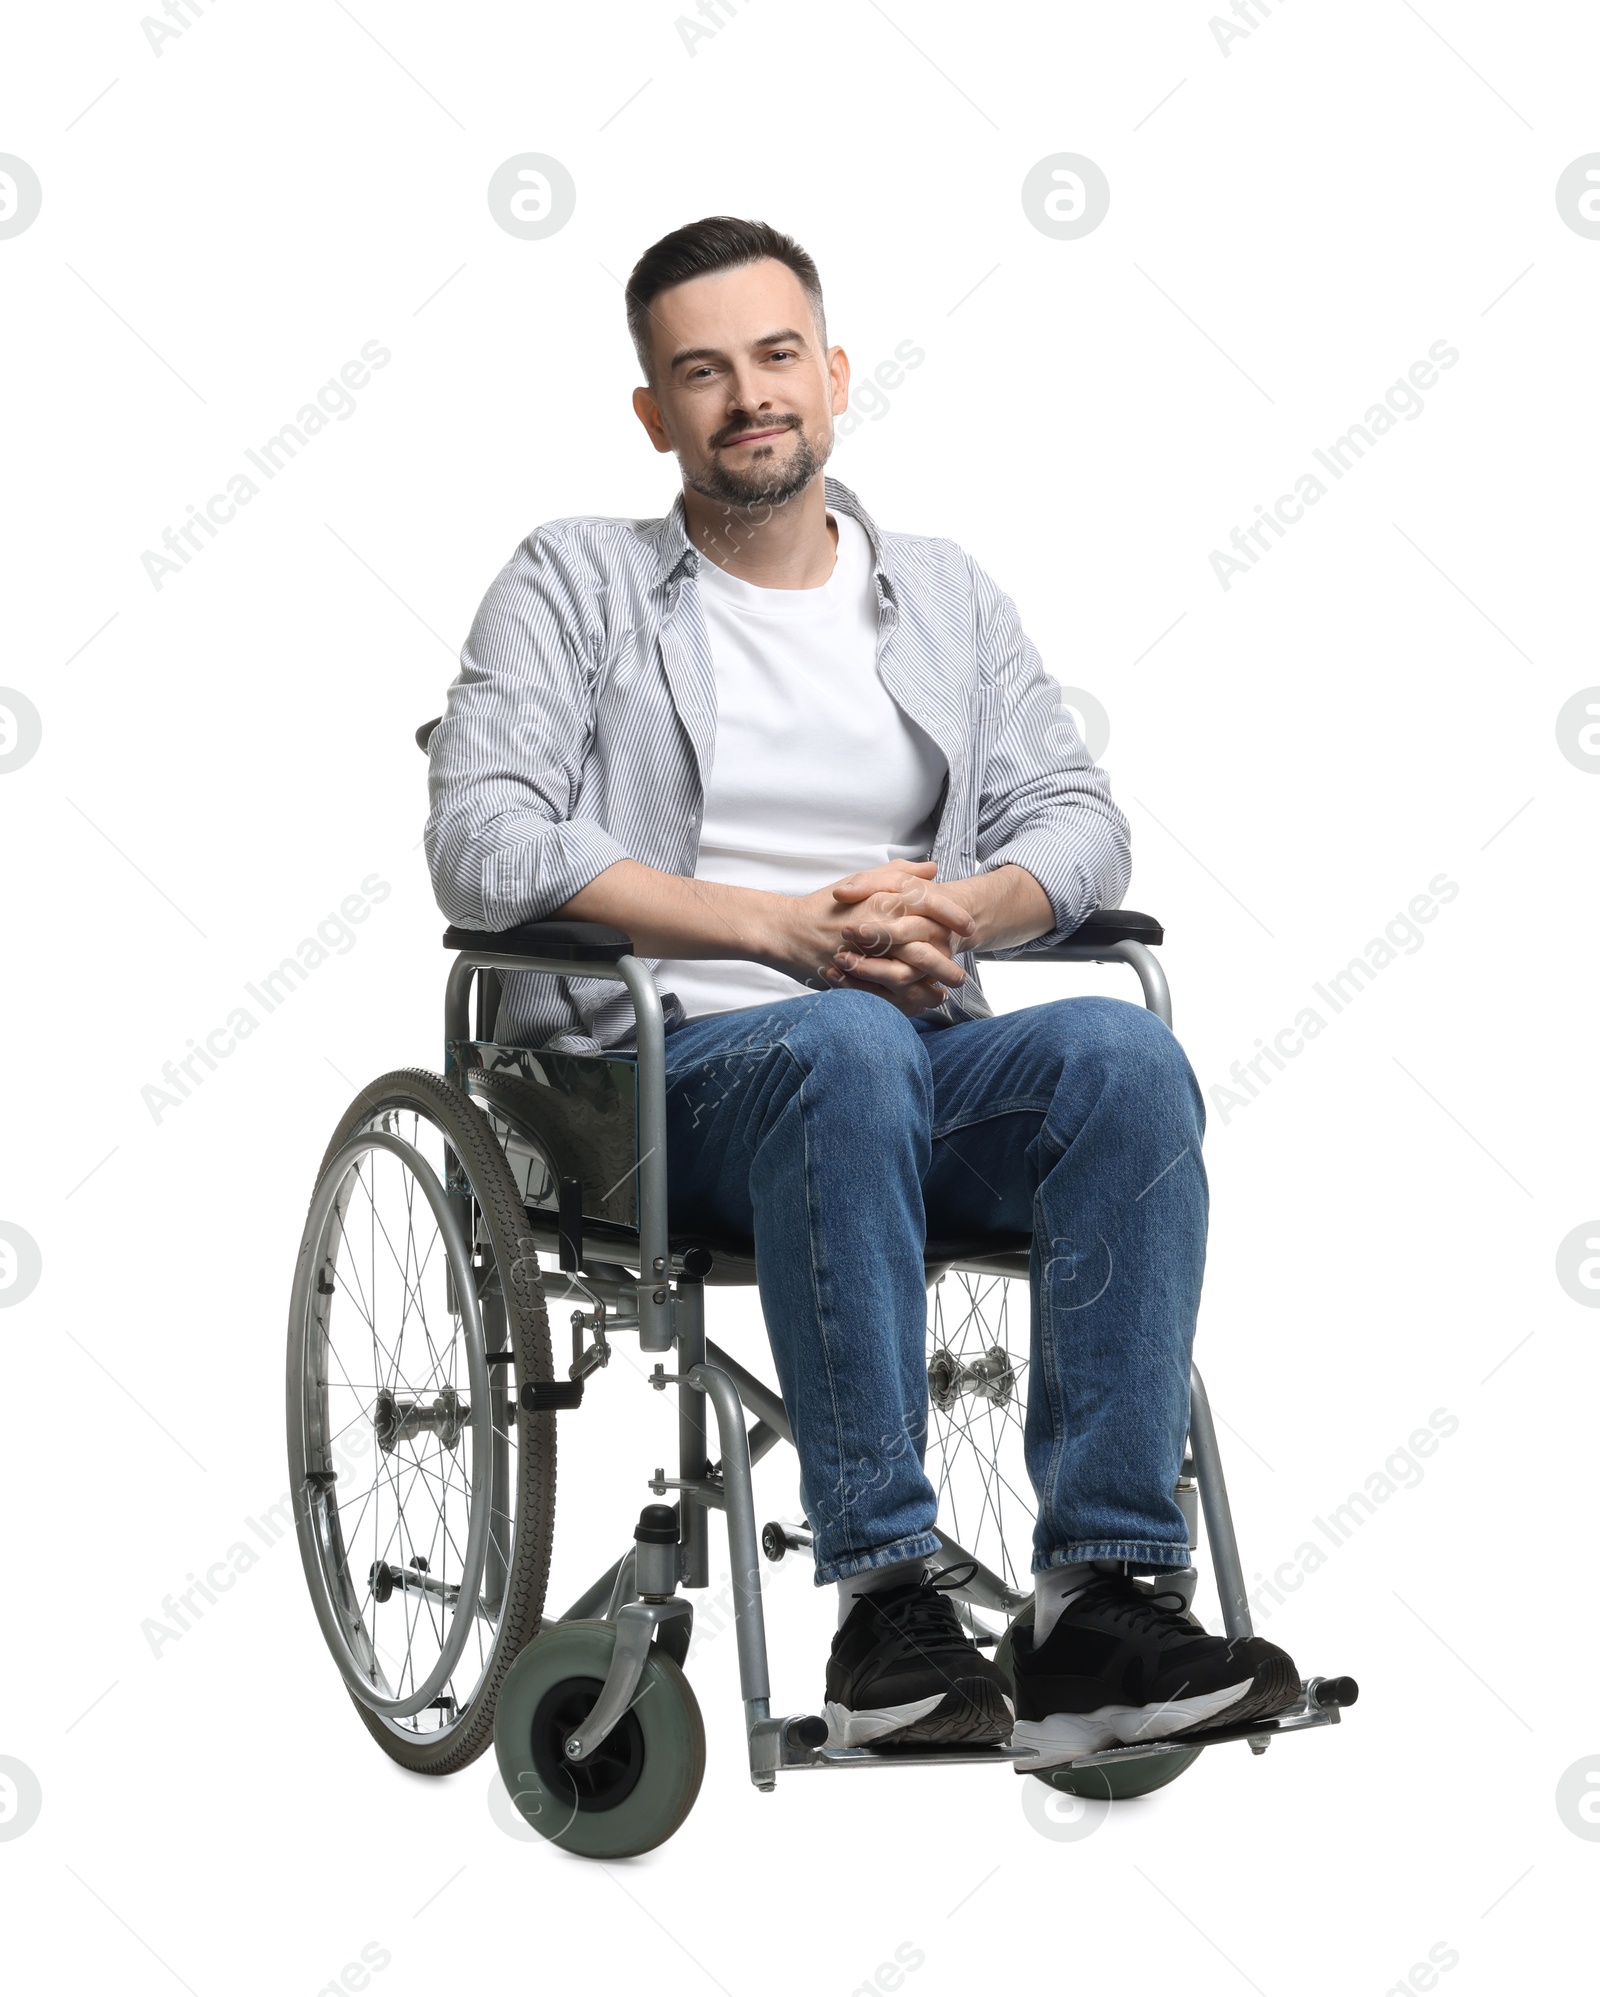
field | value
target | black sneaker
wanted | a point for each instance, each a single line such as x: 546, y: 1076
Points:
x: 904, y: 1673
x: 1124, y: 1665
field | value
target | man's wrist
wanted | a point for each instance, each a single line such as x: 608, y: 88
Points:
x: 1007, y: 904
x: 977, y: 896
x: 763, y: 928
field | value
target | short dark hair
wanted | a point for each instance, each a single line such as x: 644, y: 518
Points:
x: 715, y: 242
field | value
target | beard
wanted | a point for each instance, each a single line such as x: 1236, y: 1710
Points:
x: 762, y: 485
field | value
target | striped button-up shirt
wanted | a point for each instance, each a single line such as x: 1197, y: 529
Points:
x: 581, y: 728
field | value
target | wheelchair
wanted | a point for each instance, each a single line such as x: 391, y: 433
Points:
x: 450, y: 1213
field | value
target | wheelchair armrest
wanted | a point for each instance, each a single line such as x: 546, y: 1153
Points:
x: 575, y: 942
x: 1106, y: 926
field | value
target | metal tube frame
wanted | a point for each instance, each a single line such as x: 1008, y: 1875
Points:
x: 1220, y: 1539
x: 1152, y: 979
x: 744, y: 1553
x: 672, y: 1314
x: 655, y: 1301
x: 694, y: 1520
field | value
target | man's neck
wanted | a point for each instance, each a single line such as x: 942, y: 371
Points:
x: 791, y: 546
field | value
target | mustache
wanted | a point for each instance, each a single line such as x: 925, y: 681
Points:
x: 742, y: 427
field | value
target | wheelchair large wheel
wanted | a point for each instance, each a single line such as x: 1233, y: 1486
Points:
x: 424, y: 1495
x: 640, y: 1783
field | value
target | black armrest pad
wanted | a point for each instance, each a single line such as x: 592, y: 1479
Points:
x: 576, y: 942
x: 1106, y: 925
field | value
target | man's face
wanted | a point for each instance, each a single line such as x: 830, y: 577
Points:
x: 744, y: 391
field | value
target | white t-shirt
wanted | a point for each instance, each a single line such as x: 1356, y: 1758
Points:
x: 817, y: 772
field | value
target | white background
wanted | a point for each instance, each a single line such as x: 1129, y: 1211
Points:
x: 1294, y: 221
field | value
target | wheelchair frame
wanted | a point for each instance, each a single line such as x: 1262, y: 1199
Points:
x: 665, y: 1302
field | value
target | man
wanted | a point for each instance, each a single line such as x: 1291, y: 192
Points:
x: 811, y: 768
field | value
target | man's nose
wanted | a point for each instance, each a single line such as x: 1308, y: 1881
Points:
x: 748, y: 392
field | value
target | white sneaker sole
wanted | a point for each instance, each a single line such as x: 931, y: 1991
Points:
x: 1064, y: 1736
x: 851, y: 1728
x: 847, y: 1728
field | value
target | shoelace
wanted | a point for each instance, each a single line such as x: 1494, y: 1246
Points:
x: 1116, y: 1596
x: 928, y: 1612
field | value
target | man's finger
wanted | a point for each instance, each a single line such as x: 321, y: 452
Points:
x: 924, y: 899
x: 885, y: 938
x: 880, y: 973
x: 925, y: 869
x: 876, y: 880
x: 924, y: 996
x: 902, y: 938
x: 915, y: 961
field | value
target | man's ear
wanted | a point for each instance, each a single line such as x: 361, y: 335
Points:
x: 839, y: 375
x: 648, y: 411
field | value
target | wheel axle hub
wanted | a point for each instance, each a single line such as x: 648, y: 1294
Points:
x: 992, y: 1378
x: 395, y: 1421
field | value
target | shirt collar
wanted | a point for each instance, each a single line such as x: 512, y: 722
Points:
x: 677, y: 556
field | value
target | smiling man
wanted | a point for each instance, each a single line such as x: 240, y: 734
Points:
x: 811, y: 769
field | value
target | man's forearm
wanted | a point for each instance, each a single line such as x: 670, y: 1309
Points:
x: 668, y: 915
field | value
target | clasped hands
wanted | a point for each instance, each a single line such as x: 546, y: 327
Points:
x: 891, y: 930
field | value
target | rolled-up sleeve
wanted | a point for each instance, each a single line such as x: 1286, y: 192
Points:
x: 1043, y: 804
x: 506, y: 762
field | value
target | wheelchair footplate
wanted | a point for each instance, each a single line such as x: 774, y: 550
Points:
x: 1319, y: 1705
x: 1320, y: 1702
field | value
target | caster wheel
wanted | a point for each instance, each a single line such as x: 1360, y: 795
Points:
x: 1113, y: 1782
x: 637, y: 1787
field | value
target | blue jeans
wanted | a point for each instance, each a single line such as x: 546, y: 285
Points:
x: 841, y: 1135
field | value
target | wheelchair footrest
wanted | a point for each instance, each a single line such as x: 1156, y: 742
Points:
x: 539, y: 1395
x: 1319, y: 1704
x: 929, y: 1757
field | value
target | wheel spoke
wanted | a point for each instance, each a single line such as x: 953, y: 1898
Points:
x: 976, y: 1457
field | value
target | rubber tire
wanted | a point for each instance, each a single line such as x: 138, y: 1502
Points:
x: 1112, y: 1782
x: 472, y: 1137
x: 668, y: 1716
